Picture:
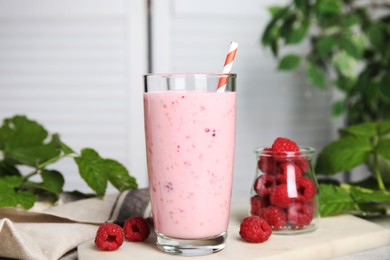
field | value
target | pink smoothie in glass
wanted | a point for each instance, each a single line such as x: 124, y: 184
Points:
x: 190, y: 139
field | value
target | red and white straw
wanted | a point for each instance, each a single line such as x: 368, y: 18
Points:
x: 227, y: 66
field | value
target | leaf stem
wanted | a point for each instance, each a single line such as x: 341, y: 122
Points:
x: 50, y: 161
x: 27, y: 176
x: 378, y: 175
x: 377, y: 170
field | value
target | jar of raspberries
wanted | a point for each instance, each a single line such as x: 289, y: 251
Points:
x: 284, y: 191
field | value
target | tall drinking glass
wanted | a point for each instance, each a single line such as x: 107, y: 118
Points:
x: 190, y: 136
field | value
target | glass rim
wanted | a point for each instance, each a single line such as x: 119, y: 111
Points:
x: 306, y: 150
x: 181, y: 75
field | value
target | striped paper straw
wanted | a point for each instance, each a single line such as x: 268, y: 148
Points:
x: 227, y: 66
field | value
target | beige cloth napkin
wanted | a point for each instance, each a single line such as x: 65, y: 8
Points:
x: 50, y: 232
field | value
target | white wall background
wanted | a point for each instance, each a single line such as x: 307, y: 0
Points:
x: 76, y: 66
x: 194, y: 36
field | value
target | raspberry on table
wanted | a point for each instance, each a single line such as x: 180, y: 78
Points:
x: 306, y: 189
x: 258, y: 203
x: 264, y: 184
x: 282, y: 144
x: 136, y: 229
x: 274, y: 216
x: 280, y: 197
x: 254, y: 229
x: 109, y: 237
x: 300, y: 214
x: 289, y: 172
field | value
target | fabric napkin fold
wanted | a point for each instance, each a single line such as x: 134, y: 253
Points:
x: 50, y: 232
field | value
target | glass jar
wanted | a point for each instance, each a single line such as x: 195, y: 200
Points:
x: 285, y: 191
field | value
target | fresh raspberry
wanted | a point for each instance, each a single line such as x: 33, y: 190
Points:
x: 306, y: 189
x: 281, y: 145
x: 136, y: 229
x: 109, y: 237
x: 289, y: 172
x: 254, y: 229
x: 274, y: 216
x: 258, y: 203
x: 267, y: 163
x: 280, y: 197
x: 300, y: 214
x: 264, y: 184
x: 302, y: 163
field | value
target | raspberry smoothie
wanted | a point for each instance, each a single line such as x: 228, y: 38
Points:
x: 190, y: 150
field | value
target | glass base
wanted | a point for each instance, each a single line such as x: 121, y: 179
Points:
x: 191, y: 247
x: 294, y: 231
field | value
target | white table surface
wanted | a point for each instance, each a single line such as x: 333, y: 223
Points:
x: 342, y: 237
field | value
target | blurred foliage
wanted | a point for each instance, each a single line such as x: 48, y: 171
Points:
x: 349, y: 48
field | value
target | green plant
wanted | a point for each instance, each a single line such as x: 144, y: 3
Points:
x: 25, y: 144
x: 356, y: 146
x: 348, y: 49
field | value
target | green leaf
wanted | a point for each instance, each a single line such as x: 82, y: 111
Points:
x: 25, y: 199
x: 385, y: 85
x: 20, y: 131
x: 289, y: 62
x: 338, y: 108
x: 368, y: 129
x: 315, y: 75
x: 329, y: 6
x: 325, y: 45
x: 363, y: 80
x: 287, y: 26
x: 89, y: 167
x: 364, y: 195
x: 353, y: 46
x: 119, y: 176
x: 345, y: 84
x: 13, y: 181
x: 384, y: 128
x: 303, y: 6
x: 96, y: 171
x: 350, y: 20
x: 383, y: 148
x: 66, y: 149
x: 345, y: 64
x: 275, y: 48
x: 343, y: 155
x: 53, y: 181
x: 10, y: 198
x: 36, y: 154
x: 297, y: 34
x: 334, y: 200
x: 376, y: 36
x: 275, y: 9
x: 8, y: 169
x: 271, y: 32
x: 7, y: 195
x: 23, y: 141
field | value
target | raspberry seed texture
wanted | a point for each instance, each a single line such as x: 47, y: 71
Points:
x: 109, y: 237
x: 284, y: 145
x: 254, y: 229
x: 136, y: 229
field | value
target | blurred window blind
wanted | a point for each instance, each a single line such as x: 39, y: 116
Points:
x: 194, y: 36
x: 76, y: 67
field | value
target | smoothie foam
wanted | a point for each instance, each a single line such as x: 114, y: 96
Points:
x: 190, y: 139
